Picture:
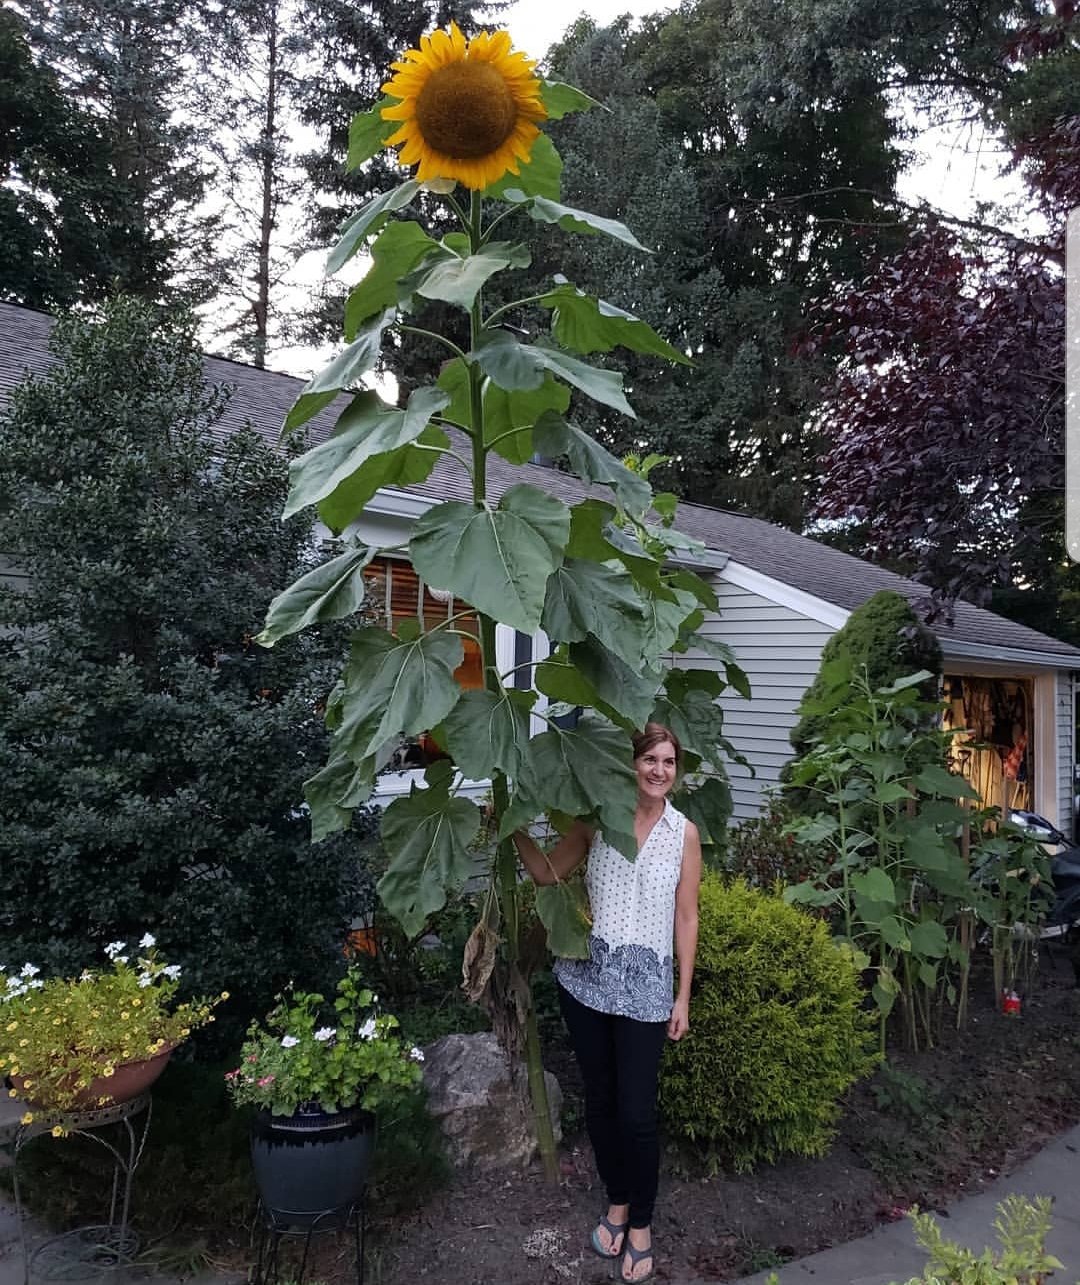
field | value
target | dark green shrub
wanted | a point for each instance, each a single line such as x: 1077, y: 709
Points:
x: 777, y: 1031
x: 759, y: 851
x: 886, y: 636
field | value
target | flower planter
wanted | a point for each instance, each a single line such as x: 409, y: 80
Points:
x: 127, y: 1082
x: 310, y: 1163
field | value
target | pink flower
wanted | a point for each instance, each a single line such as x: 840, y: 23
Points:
x: 252, y: 1058
x: 231, y: 1075
x: 267, y: 1079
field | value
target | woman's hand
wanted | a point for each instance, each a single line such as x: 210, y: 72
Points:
x: 679, y: 1021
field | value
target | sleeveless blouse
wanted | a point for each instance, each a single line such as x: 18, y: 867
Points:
x: 630, y: 970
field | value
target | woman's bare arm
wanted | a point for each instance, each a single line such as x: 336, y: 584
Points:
x: 686, y: 929
x: 565, y: 856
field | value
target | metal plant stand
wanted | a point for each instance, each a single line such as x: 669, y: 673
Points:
x: 86, y: 1252
x: 273, y: 1225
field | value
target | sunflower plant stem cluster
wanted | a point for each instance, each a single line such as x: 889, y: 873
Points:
x: 311, y: 1055
x: 58, y: 1035
x: 608, y: 580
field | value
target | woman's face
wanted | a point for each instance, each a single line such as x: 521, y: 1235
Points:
x: 656, y: 771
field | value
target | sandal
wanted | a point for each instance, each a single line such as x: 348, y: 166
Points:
x: 636, y: 1255
x: 613, y: 1230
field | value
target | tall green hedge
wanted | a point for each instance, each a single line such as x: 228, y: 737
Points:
x: 777, y: 1031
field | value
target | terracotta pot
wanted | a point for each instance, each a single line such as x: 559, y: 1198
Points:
x: 127, y: 1082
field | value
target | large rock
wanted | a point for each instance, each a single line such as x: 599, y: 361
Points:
x: 486, y: 1118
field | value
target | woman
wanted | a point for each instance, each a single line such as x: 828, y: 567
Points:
x: 617, y: 1004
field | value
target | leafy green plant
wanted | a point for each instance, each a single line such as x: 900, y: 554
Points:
x: 1012, y: 875
x: 58, y: 1035
x: 889, y: 821
x: 607, y: 580
x: 310, y: 1055
x: 777, y: 1030
x: 1022, y: 1226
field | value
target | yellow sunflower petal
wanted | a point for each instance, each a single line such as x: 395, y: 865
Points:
x: 466, y: 110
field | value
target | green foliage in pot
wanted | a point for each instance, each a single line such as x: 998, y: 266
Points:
x: 59, y: 1034
x: 777, y: 1031
x: 325, y: 1057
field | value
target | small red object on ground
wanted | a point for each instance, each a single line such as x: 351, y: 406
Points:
x: 1010, y: 1003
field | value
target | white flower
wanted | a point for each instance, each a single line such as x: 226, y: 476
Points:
x: 416, y: 1054
x: 114, y: 948
x: 147, y: 940
x: 172, y: 971
x: 367, y: 1031
x: 145, y: 980
x: 122, y: 959
x: 325, y: 1033
x: 37, y: 984
x: 29, y: 970
x: 289, y: 1041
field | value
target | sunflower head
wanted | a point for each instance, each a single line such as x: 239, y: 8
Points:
x: 467, y: 109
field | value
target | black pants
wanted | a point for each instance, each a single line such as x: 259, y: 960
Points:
x: 620, y: 1061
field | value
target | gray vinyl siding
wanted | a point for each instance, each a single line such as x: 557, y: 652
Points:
x: 1065, y: 733
x: 780, y: 650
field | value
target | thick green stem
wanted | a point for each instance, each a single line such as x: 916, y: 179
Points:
x: 505, y: 875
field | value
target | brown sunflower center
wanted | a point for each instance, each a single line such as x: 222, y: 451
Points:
x: 466, y: 110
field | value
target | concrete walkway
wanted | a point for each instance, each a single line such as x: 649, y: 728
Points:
x: 890, y: 1253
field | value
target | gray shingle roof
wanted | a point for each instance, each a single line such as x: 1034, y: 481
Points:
x: 264, y: 397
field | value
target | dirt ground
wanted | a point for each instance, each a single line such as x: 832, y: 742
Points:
x: 935, y: 1126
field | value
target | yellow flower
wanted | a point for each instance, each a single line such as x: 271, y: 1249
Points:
x: 28, y: 1118
x: 224, y: 994
x: 58, y: 1131
x: 468, y: 110
x: 23, y: 1043
x: 12, y: 1026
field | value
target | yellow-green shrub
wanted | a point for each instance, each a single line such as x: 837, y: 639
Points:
x: 777, y: 1031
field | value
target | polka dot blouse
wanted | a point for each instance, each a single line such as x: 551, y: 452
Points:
x: 630, y: 969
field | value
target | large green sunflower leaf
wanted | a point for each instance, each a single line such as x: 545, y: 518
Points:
x: 396, y: 686
x: 485, y: 731
x: 587, y: 772
x: 560, y: 100
x: 514, y: 365
x: 427, y: 836
x: 595, y: 536
x: 564, y: 911
x: 458, y: 279
x: 540, y: 176
x: 499, y: 560
x: 368, y: 133
x: 569, y: 219
x: 504, y: 411
x: 397, y: 249
x: 333, y: 793
x: 696, y: 720
x: 709, y: 806
x: 366, y: 221
x: 406, y: 466
x: 347, y: 367
x: 553, y: 435
x: 677, y: 682
x: 589, y: 325
x: 664, y: 618
x: 681, y: 578
x: 330, y: 592
x: 560, y: 681
x: 365, y: 428
x: 592, y: 598
x: 630, y: 692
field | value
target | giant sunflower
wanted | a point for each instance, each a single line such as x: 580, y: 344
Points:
x: 467, y: 108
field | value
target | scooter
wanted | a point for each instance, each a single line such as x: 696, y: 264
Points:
x: 1063, y: 919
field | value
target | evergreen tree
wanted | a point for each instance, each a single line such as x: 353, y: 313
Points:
x: 121, y: 65
x: 152, y: 757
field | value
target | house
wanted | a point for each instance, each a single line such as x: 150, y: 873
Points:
x: 782, y: 596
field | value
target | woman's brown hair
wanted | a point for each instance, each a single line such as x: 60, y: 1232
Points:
x: 653, y: 734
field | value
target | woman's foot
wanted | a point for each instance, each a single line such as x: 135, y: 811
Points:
x: 610, y: 1232
x: 637, y: 1263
